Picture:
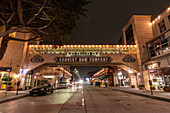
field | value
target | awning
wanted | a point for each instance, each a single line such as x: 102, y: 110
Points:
x: 5, y: 69
x: 101, y: 77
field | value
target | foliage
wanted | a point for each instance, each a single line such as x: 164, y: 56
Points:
x: 118, y: 84
x: 50, y: 21
x: 20, y: 88
x: 166, y: 87
x: 9, y: 83
x: 6, y: 78
x: 141, y: 85
x: 10, y: 86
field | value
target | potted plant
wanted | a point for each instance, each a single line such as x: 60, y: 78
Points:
x: 133, y: 86
x: 30, y: 87
x: 166, y: 89
x: 141, y: 87
x: 5, y: 79
x: 9, y: 88
x: 153, y: 87
x: 20, y: 89
x: 118, y: 84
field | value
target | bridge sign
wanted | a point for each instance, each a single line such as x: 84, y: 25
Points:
x: 129, y: 58
x: 37, y: 59
x: 83, y: 59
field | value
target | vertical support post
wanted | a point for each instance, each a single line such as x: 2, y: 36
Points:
x: 119, y: 49
x: 101, y: 50
x: 83, y: 51
x: 65, y: 51
x: 46, y: 50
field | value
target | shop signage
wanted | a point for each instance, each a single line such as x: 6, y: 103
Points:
x: 83, y: 59
x: 129, y: 58
x: 37, y: 59
x: 152, y: 65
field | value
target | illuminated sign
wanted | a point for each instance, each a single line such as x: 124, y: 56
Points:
x: 83, y: 59
x: 152, y: 66
x: 37, y: 59
x: 128, y: 58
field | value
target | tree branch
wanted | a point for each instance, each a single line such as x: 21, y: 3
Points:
x: 4, y: 44
x: 11, y: 17
x: 35, y: 15
x: 3, y: 22
x: 11, y: 31
x: 20, y: 12
x: 12, y: 6
x: 22, y: 40
x: 42, y: 32
x: 12, y: 13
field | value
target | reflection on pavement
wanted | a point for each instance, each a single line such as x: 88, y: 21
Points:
x: 80, y: 87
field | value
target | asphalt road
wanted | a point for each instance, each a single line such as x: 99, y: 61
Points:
x: 97, y: 100
x: 51, y: 103
x: 105, y: 100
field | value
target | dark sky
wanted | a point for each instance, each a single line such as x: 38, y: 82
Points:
x: 106, y: 18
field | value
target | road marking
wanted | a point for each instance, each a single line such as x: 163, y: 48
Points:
x: 83, y: 103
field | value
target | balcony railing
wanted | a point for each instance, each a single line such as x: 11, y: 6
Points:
x: 82, y: 50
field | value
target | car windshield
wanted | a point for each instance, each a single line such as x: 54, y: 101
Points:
x: 63, y: 83
x: 48, y: 85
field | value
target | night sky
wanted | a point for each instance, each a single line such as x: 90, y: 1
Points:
x: 106, y: 18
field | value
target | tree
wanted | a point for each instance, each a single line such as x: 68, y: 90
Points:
x: 45, y: 19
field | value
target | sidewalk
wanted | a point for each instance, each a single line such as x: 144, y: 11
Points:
x: 11, y: 95
x: 159, y: 95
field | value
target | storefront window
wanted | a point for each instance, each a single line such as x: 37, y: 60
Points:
x: 157, y: 80
x: 28, y: 80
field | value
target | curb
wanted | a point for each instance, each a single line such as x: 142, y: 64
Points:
x: 144, y: 95
x: 13, y: 98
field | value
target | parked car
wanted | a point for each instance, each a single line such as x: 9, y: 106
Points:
x: 43, y: 90
x: 62, y: 85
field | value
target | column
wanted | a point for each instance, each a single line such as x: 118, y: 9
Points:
x: 132, y: 80
x: 83, y: 51
x: 145, y: 79
x: 115, y: 75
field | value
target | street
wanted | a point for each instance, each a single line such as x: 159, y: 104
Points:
x: 51, y: 103
x: 99, y: 100
x: 86, y: 99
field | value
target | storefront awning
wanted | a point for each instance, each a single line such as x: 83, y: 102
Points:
x: 5, y: 68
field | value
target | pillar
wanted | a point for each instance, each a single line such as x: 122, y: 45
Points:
x: 132, y: 80
x: 115, y: 79
x: 145, y: 80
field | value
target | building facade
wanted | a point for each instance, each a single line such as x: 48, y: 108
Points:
x: 158, y: 65
x: 151, y: 36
